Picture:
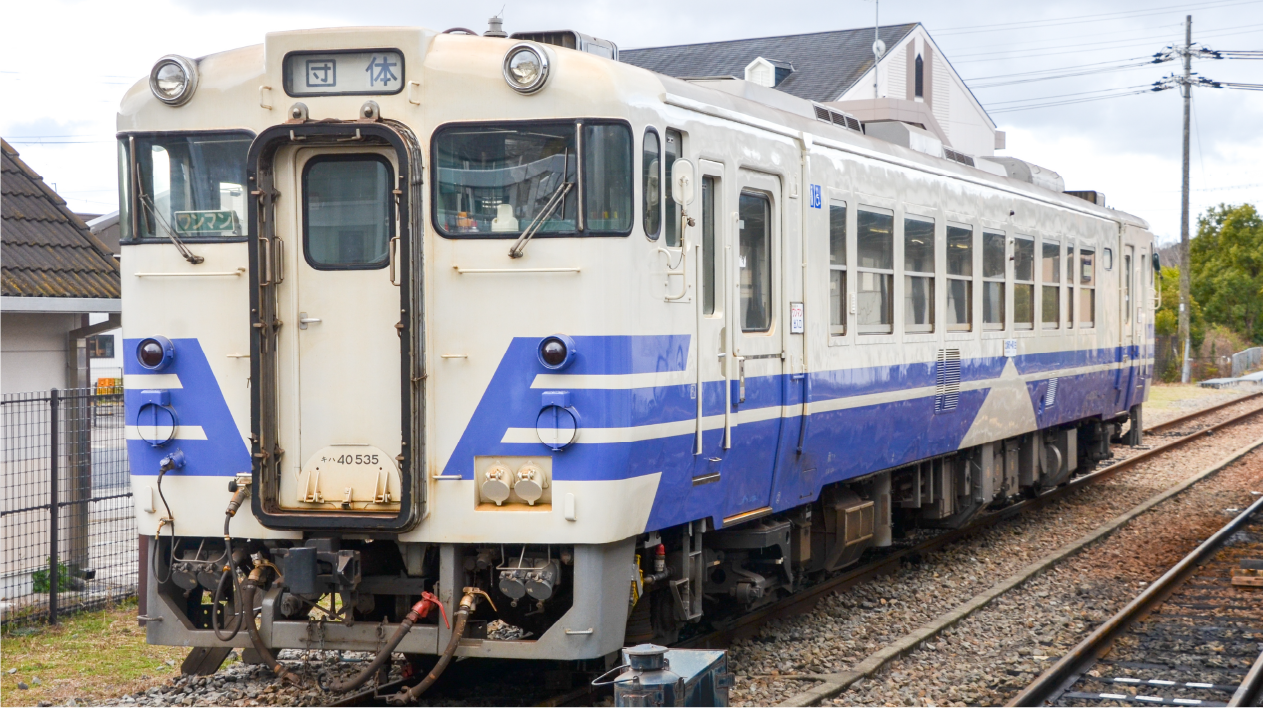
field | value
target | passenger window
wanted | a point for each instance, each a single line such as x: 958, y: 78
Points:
x: 960, y: 271
x: 1087, y: 287
x: 673, y: 152
x: 1050, y: 295
x: 755, y: 262
x: 607, y: 178
x: 918, y: 266
x: 347, y: 211
x: 1023, y: 283
x: 708, y: 245
x: 994, y: 267
x: 650, y: 188
x: 875, y: 267
x: 837, y: 268
x: 1070, y: 283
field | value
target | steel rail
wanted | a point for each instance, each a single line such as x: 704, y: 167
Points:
x: 1057, y: 679
x: 1250, y: 692
x: 804, y: 601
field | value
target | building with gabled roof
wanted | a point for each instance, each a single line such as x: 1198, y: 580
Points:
x: 54, y: 275
x: 913, y: 83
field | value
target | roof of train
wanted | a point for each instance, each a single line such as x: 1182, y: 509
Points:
x: 48, y: 250
x: 825, y: 64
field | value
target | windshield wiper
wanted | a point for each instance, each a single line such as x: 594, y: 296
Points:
x: 557, y: 198
x: 147, y: 202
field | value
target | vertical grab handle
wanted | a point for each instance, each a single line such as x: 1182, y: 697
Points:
x: 394, y: 259
x: 265, y: 261
x: 278, y: 274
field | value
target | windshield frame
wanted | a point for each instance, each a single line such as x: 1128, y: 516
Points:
x: 129, y: 212
x: 582, y: 230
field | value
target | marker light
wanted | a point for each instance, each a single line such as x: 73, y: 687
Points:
x: 556, y: 351
x: 526, y: 68
x: 173, y: 79
x: 155, y: 353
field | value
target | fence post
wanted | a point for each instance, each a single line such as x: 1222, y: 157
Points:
x: 54, y: 505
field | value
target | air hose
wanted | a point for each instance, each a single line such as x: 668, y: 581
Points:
x: 239, y: 490
x: 247, y: 601
x: 467, y: 603
x: 419, y: 610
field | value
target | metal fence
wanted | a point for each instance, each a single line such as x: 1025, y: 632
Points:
x: 69, y: 526
x: 1246, y: 361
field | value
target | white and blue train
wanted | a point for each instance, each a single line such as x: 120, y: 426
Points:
x: 503, y: 324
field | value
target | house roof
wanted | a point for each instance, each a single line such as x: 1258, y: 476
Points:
x: 826, y: 64
x: 46, y: 250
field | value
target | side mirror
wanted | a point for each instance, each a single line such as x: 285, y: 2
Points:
x: 682, y: 182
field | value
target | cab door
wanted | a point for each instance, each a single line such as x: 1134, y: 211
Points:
x: 339, y: 355
x: 754, y: 354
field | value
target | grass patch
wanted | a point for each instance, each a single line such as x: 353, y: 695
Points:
x: 1170, y: 395
x: 88, y: 656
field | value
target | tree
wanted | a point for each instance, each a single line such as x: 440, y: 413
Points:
x: 1226, y: 261
x: 1165, y: 320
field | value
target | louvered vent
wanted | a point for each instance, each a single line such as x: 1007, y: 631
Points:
x: 1050, y: 396
x: 831, y: 116
x: 960, y: 157
x: 946, y: 380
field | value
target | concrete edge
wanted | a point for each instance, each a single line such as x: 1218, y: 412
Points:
x: 911, y: 641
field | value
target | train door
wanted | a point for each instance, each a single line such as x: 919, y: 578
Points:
x: 712, y: 312
x: 1128, y: 296
x: 755, y: 364
x: 339, y: 359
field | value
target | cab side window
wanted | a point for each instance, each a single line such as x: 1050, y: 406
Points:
x: 650, y: 183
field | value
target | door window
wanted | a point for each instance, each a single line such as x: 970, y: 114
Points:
x: 1087, y: 287
x: 1070, y: 282
x: 755, y: 262
x: 1127, y: 285
x: 837, y: 268
x: 708, y: 245
x: 673, y: 153
x: 347, y: 209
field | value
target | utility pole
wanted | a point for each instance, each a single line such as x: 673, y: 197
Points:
x: 879, y: 47
x: 1187, y: 87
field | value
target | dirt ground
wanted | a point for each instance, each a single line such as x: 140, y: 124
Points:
x: 1167, y: 401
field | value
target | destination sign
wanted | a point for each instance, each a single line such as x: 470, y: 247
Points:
x: 218, y: 221
x: 344, y: 73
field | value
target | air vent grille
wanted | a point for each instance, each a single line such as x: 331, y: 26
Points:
x: 960, y: 157
x: 1050, y: 396
x: 831, y: 116
x: 946, y: 380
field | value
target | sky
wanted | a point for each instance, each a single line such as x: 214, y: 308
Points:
x: 64, y: 66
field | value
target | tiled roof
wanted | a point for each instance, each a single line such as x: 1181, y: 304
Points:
x: 826, y: 64
x: 45, y: 249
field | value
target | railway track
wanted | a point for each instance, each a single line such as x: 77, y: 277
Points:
x: 1192, y: 638
x: 724, y: 632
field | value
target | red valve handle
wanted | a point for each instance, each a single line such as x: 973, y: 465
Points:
x: 429, y: 601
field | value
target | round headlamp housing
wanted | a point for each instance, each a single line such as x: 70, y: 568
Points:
x: 526, y: 67
x: 556, y: 351
x: 155, y: 353
x: 173, y: 79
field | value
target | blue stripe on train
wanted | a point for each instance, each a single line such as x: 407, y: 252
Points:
x: 200, y: 402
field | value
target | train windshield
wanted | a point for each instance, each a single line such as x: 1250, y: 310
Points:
x: 499, y: 180
x: 188, y: 185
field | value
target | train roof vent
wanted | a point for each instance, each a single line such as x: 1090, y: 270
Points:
x: 1097, y: 198
x: 572, y: 40
x: 1030, y: 172
x: 829, y: 115
x: 960, y: 157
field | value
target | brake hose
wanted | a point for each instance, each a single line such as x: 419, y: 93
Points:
x: 419, y: 610
x: 467, y: 603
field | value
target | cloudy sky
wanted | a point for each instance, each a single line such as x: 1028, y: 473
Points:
x: 65, y: 64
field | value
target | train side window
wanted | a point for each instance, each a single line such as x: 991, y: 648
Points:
x: 837, y: 268
x: 1107, y: 258
x: 994, y: 268
x: 960, y: 282
x: 875, y: 269
x: 755, y: 261
x: 918, y: 266
x: 650, y: 183
x: 674, y: 150
x: 1050, y: 291
x: 708, y: 245
x: 1087, y: 287
x: 1023, y: 283
x: 348, y: 212
x: 1070, y: 282
x: 1127, y: 276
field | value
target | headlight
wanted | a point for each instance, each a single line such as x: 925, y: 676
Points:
x: 556, y: 351
x: 173, y: 79
x: 154, y: 353
x: 526, y: 68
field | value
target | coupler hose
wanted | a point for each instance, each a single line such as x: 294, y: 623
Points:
x: 419, y: 610
x: 467, y: 603
x: 248, y: 589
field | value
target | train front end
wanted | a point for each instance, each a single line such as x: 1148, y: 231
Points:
x: 375, y: 285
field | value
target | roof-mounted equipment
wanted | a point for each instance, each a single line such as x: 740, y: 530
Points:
x: 571, y: 40
x: 829, y: 115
